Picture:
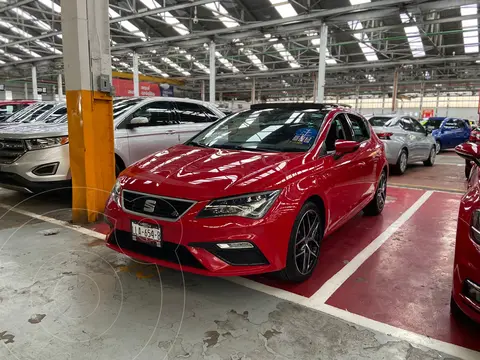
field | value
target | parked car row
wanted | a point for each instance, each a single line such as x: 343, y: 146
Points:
x: 406, y: 141
x: 34, y: 153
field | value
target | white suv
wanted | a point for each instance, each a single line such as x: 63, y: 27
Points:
x: 35, y: 158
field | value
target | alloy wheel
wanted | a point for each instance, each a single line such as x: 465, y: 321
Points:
x: 307, y: 244
x: 403, y: 162
x: 437, y: 147
x: 382, y: 191
x: 433, y: 155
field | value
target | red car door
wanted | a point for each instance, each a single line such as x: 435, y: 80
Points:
x: 340, y: 175
x: 365, y: 161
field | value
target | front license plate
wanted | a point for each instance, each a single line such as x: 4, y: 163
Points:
x: 147, y: 233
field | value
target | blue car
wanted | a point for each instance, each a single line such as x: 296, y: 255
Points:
x: 449, y: 132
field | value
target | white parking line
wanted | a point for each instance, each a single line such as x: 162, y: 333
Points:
x: 327, y: 290
x: 317, y: 301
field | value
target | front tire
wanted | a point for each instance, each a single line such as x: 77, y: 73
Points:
x: 402, y: 161
x: 304, y: 244
x: 438, y: 147
x: 431, y: 159
x: 468, y: 169
x: 376, y: 206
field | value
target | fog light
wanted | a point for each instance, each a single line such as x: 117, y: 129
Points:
x: 46, y: 169
x: 235, y: 245
x: 472, y: 291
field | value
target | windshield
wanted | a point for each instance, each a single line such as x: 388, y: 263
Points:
x: 29, y: 114
x: 274, y: 129
x: 432, y: 123
x: 380, y: 121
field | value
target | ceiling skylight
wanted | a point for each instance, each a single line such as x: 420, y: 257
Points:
x: 363, y: 41
x: 226, y: 63
x: 153, y: 68
x: 316, y: 42
x: 413, y: 34
x: 11, y: 56
x: 370, y: 78
x: 167, y: 17
x: 470, y: 28
x: 20, y: 47
x: 175, y: 66
x: 286, y: 55
x: 222, y: 14
x: 127, y: 25
x: 51, y: 5
x: 284, y: 8
x: 357, y: 2
x: 26, y: 35
x: 254, y: 59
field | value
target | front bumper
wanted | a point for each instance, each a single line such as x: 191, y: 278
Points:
x: 189, y: 244
x: 20, y: 175
x: 466, y: 267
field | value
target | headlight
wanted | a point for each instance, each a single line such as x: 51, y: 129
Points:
x: 475, y: 227
x: 44, y: 143
x: 251, y: 206
x: 115, y: 194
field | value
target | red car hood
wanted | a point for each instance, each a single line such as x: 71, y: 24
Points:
x: 201, y: 174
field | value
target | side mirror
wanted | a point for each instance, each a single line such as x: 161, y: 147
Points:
x: 346, y: 146
x: 469, y: 151
x: 137, y: 121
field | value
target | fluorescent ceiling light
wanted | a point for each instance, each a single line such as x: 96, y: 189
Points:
x: 370, y: 78
x: 284, y: 8
x: 413, y: 36
x: 153, y: 68
x: 363, y: 41
x: 127, y: 25
x: 175, y: 66
x: 51, y: 5
x: 167, y: 17
x: 286, y: 55
x: 316, y: 42
x: 470, y: 29
x: 357, y: 2
x: 222, y: 14
x: 254, y: 59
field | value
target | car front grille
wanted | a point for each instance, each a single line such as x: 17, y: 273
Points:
x: 171, y: 252
x: 11, y: 150
x: 155, y: 206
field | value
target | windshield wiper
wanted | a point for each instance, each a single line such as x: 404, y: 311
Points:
x: 194, y: 143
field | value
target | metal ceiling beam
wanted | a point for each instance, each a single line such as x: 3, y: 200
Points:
x: 161, y: 10
x: 16, y: 5
x: 345, y: 67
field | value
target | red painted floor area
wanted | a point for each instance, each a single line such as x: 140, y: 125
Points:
x: 342, y: 246
x: 407, y: 282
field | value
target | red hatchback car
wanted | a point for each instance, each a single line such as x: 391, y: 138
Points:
x: 466, y: 274
x: 255, y: 192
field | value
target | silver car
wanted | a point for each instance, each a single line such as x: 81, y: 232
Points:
x: 34, y: 157
x: 406, y: 141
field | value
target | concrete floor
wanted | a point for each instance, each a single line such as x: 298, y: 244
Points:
x: 64, y: 295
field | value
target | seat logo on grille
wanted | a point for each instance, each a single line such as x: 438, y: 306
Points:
x: 149, y: 206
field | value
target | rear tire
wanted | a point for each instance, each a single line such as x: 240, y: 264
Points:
x: 304, y: 244
x: 401, y: 166
x: 376, y: 206
x: 431, y: 159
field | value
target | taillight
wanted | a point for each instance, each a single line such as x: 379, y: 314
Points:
x: 385, y: 135
x: 474, y: 136
x: 475, y: 227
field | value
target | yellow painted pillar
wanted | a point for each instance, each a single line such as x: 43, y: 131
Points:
x: 88, y: 75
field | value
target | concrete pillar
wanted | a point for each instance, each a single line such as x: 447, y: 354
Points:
x: 25, y: 89
x: 254, y: 85
x: 88, y: 78
x: 357, y: 100
x: 315, y: 86
x: 395, y: 91
x: 383, y: 104
x: 202, y: 90
x: 437, y: 103
x: 60, y: 87
x: 212, y: 72
x: 422, y: 94
x: 34, y: 83
x: 322, y: 50
x: 220, y: 96
x: 136, y: 82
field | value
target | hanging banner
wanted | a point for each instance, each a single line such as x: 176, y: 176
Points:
x: 428, y: 113
x: 124, y: 87
x: 166, y: 90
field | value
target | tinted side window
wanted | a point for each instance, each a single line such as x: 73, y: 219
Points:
x: 360, y: 129
x: 461, y: 124
x: 158, y: 113
x: 406, y: 124
x: 339, y: 130
x: 194, y: 113
x: 418, y: 127
x: 451, y: 124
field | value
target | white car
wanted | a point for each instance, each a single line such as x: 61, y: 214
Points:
x: 35, y: 157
